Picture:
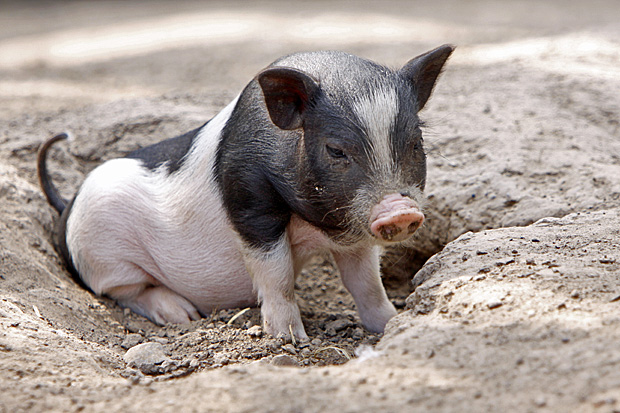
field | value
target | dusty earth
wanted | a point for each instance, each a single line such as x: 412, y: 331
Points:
x: 518, y: 307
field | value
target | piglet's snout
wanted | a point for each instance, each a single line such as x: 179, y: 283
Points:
x: 395, y: 218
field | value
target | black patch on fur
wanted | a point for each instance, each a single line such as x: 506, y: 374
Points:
x: 245, y: 164
x: 60, y: 243
x: 171, y: 152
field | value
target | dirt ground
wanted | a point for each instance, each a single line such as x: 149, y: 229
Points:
x: 517, y: 306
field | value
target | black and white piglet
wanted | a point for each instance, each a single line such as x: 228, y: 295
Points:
x: 320, y: 152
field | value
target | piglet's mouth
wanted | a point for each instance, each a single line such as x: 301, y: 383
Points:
x: 395, y: 218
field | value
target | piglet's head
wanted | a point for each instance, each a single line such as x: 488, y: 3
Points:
x: 360, y: 167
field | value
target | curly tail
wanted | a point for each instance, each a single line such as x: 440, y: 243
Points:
x: 50, y: 191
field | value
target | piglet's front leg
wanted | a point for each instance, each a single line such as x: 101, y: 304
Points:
x: 360, y: 274
x: 274, y: 281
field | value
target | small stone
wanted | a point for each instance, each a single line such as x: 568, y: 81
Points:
x: 283, y: 360
x: 255, y: 331
x: 316, y: 342
x: 505, y: 261
x: 330, y: 332
x: 357, y: 334
x: 494, y: 304
x: 289, y: 348
x: 574, y: 294
x: 221, y: 359
x: 160, y: 340
x: 146, y: 357
x: 131, y: 340
x: 339, y: 324
x: 274, y: 345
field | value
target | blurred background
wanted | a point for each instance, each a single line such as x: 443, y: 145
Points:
x: 63, y: 53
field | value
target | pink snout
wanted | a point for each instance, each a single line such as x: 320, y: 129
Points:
x: 395, y: 218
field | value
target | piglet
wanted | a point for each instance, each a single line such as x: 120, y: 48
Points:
x: 321, y: 152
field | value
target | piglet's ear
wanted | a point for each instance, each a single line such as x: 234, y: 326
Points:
x: 424, y: 70
x: 287, y: 94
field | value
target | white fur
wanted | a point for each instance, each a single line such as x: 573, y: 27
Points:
x: 162, y: 245
x: 131, y: 229
x: 359, y: 270
x: 274, y: 280
x: 377, y: 113
x: 360, y: 274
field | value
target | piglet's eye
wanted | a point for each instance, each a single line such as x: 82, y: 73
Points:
x: 335, y: 153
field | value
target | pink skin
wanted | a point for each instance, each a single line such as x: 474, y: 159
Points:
x: 395, y: 218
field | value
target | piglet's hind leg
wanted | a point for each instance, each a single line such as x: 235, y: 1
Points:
x: 157, y: 303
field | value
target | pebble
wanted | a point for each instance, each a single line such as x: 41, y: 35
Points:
x: 146, y: 357
x: 505, y: 261
x: 494, y: 304
x: 289, y: 348
x: 255, y: 331
x: 335, y: 326
x: 260, y: 362
x: 131, y: 340
x: 357, y: 334
x: 160, y: 340
x: 221, y: 359
x: 339, y: 324
x: 283, y: 360
x: 274, y: 345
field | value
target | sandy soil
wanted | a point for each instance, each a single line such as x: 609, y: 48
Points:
x: 517, y: 307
